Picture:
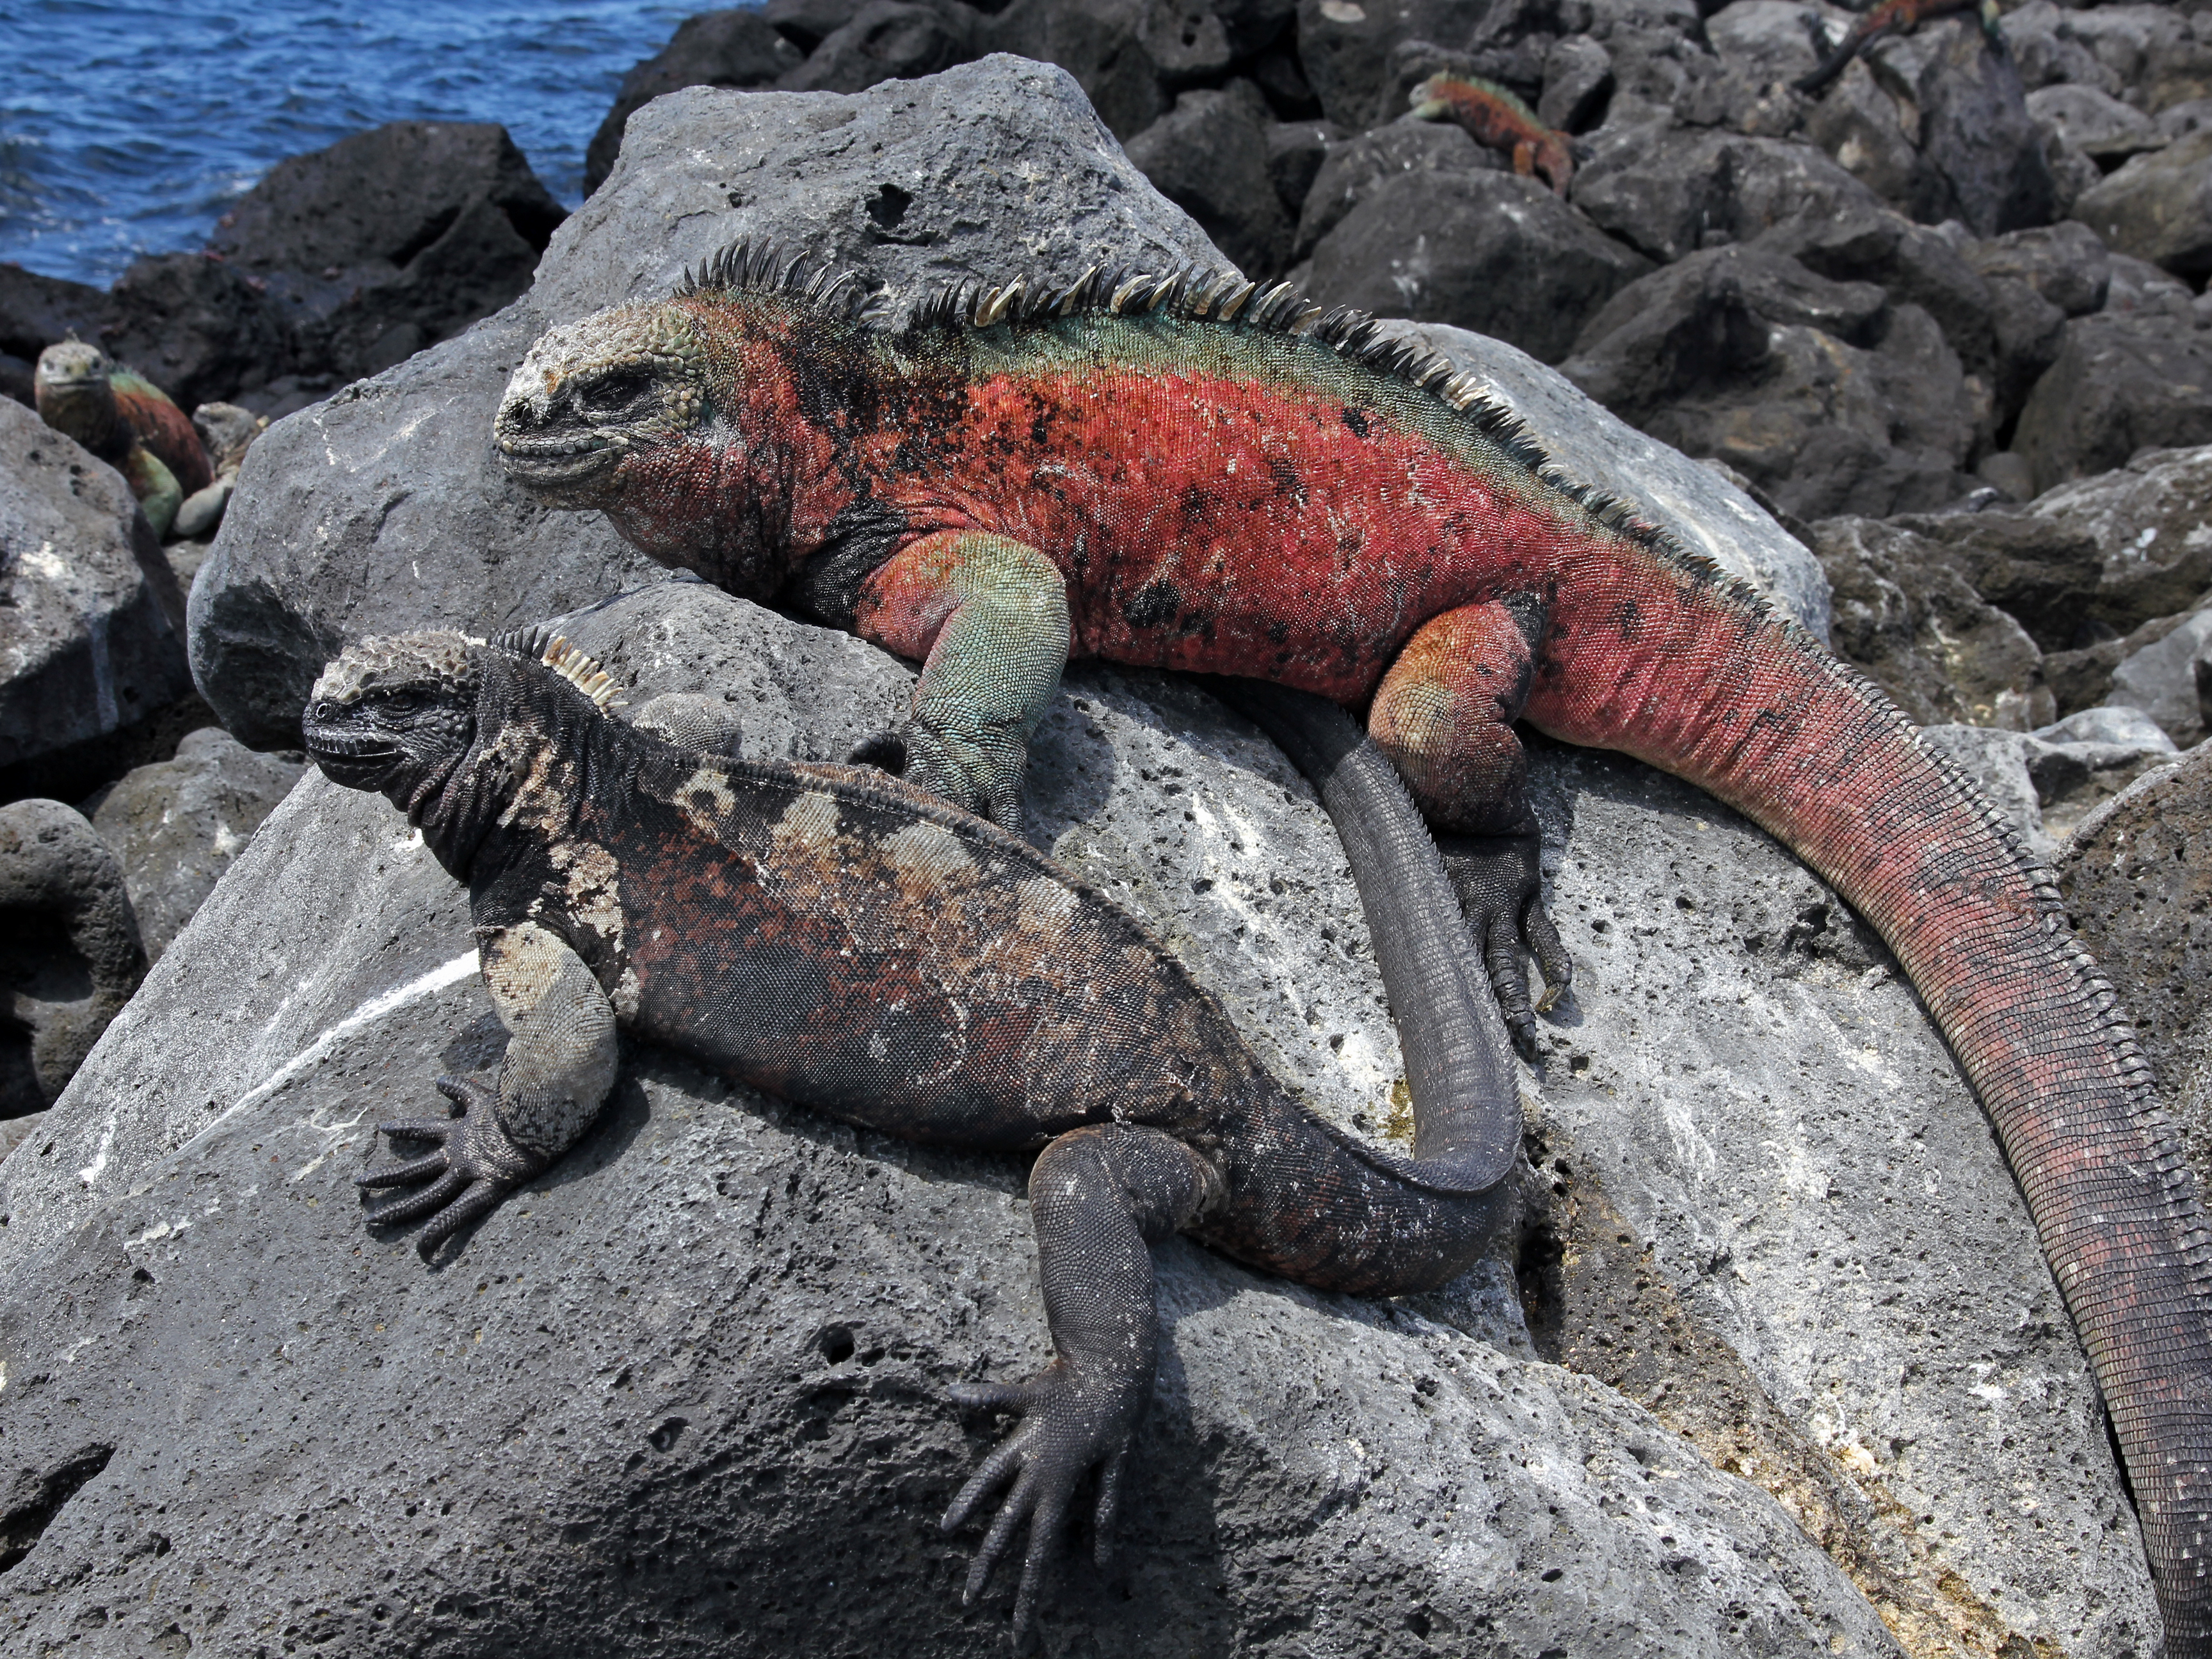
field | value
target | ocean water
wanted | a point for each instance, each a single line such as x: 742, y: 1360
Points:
x: 129, y: 129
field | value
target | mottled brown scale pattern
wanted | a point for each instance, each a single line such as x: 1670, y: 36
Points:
x: 848, y: 941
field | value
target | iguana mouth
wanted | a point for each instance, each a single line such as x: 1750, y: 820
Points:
x: 349, y: 755
x: 558, y: 460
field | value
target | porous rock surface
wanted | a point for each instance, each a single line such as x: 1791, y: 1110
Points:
x: 384, y: 507
x: 89, y: 610
x: 178, y: 824
x: 693, y: 1375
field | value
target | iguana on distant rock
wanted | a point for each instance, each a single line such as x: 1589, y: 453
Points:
x: 1198, y: 475
x: 1495, y: 117
x: 849, y: 942
x: 1895, y: 17
x: 128, y: 421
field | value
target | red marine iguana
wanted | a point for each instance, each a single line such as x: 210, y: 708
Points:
x: 846, y: 940
x: 1197, y: 474
x: 128, y: 421
x: 1494, y: 117
x: 1895, y: 17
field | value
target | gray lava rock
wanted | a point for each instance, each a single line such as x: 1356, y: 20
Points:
x: 2065, y: 264
x: 1130, y: 56
x: 71, y: 957
x: 1765, y: 41
x: 886, y: 39
x: 1295, y: 151
x: 2094, y: 123
x: 1912, y: 264
x: 2161, y: 679
x: 89, y: 610
x: 178, y: 824
x: 2151, y: 523
x: 2138, y: 884
x: 1491, y: 251
x: 723, y: 1320
x: 2159, y: 206
x: 1823, y: 393
x: 2122, y: 383
x: 1577, y: 81
x: 714, y: 49
x: 1347, y: 47
x: 1984, y: 152
x: 194, y: 326
x: 2044, y: 572
x: 2078, y: 764
x: 1353, y: 171
x: 1210, y: 155
x: 1861, y: 125
x: 393, y: 238
x: 1670, y: 192
x: 1908, y: 617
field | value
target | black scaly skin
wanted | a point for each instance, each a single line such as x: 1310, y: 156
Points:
x: 849, y: 942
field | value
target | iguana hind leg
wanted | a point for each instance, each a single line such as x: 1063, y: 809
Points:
x: 1100, y: 1198
x: 1445, y: 715
x: 559, y: 1066
x: 987, y: 616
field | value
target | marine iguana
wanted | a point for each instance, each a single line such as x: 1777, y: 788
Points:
x: 1494, y: 117
x: 1194, y: 472
x: 128, y: 421
x: 846, y: 940
x: 1895, y: 17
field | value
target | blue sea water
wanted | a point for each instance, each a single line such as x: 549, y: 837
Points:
x: 129, y: 129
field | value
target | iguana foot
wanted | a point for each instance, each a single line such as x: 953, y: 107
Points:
x: 979, y: 775
x: 1068, y: 1428
x: 475, y: 1166
x: 1500, y: 881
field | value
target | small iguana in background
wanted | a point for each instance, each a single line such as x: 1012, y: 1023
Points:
x: 1895, y: 17
x: 128, y: 421
x: 848, y: 941
x: 1193, y: 473
x: 1495, y: 117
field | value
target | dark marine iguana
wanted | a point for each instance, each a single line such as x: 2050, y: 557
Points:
x: 1195, y: 473
x: 128, y: 421
x: 846, y: 940
x: 1895, y: 17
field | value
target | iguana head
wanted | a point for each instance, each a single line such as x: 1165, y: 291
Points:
x: 396, y: 713
x: 75, y: 395
x: 676, y: 421
x: 683, y: 421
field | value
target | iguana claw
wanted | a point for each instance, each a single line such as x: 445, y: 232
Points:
x: 475, y: 1166
x: 1068, y: 1428
x: 1500, y: 881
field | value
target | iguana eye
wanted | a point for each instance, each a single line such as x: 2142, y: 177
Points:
x: 618, y: 391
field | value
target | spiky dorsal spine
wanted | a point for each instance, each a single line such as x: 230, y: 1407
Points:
x: 1222, y: 297
x: 749, y: 267
x: 542, y: 646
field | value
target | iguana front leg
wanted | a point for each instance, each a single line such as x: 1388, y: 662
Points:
x: 1100, y: 1198
x: 558, y: 1067
x: 987, y: 616
x: 1445, y: 715
x: 159, y: 493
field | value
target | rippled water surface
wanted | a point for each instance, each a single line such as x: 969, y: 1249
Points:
x: 129, y: 129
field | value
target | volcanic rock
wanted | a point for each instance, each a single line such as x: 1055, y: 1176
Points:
x: 178, y: 824
x: 90, y: 629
